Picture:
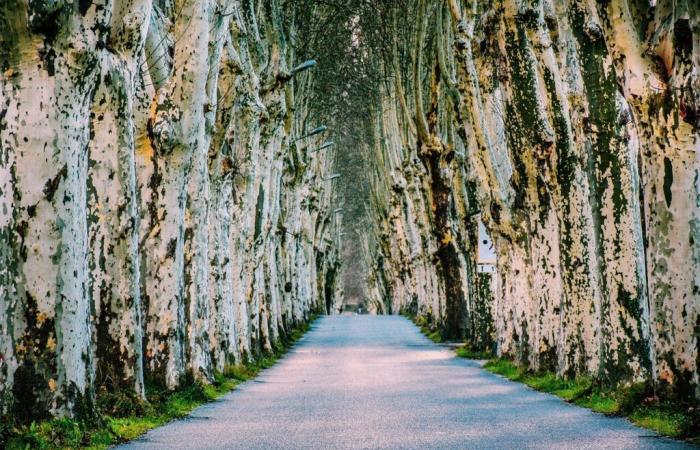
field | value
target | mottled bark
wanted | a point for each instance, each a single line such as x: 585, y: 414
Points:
x: 575, y: 125
x: 131, y: 132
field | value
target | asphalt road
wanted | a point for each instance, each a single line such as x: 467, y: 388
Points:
x: 376, y: 382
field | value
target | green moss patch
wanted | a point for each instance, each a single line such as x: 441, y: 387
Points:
x: 124, y: 417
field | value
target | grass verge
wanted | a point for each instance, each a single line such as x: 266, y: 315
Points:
x: 465, y: 351
x: 123, y: 418
x: 424, y: 324
x: 636, y: 402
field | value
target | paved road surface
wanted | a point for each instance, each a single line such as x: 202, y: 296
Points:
x: 376, y: 382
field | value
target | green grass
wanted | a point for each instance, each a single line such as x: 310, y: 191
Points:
x: 666, y: 423
x: 124, y: 417
x: 465, y: 351
x: 636, y: 402
x: 424, y: 324
x: 569, y: 390
x: 602, y: 402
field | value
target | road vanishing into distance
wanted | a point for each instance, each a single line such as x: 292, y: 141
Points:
x: 364, y: 382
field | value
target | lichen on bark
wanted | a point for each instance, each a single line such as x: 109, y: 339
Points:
x: 131, y: 131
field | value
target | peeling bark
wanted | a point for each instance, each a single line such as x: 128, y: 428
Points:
x: 575, y: 124
x: 131, y: 132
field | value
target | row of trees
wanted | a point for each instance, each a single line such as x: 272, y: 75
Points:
x: 164, y: 210
x: 570, y: 129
